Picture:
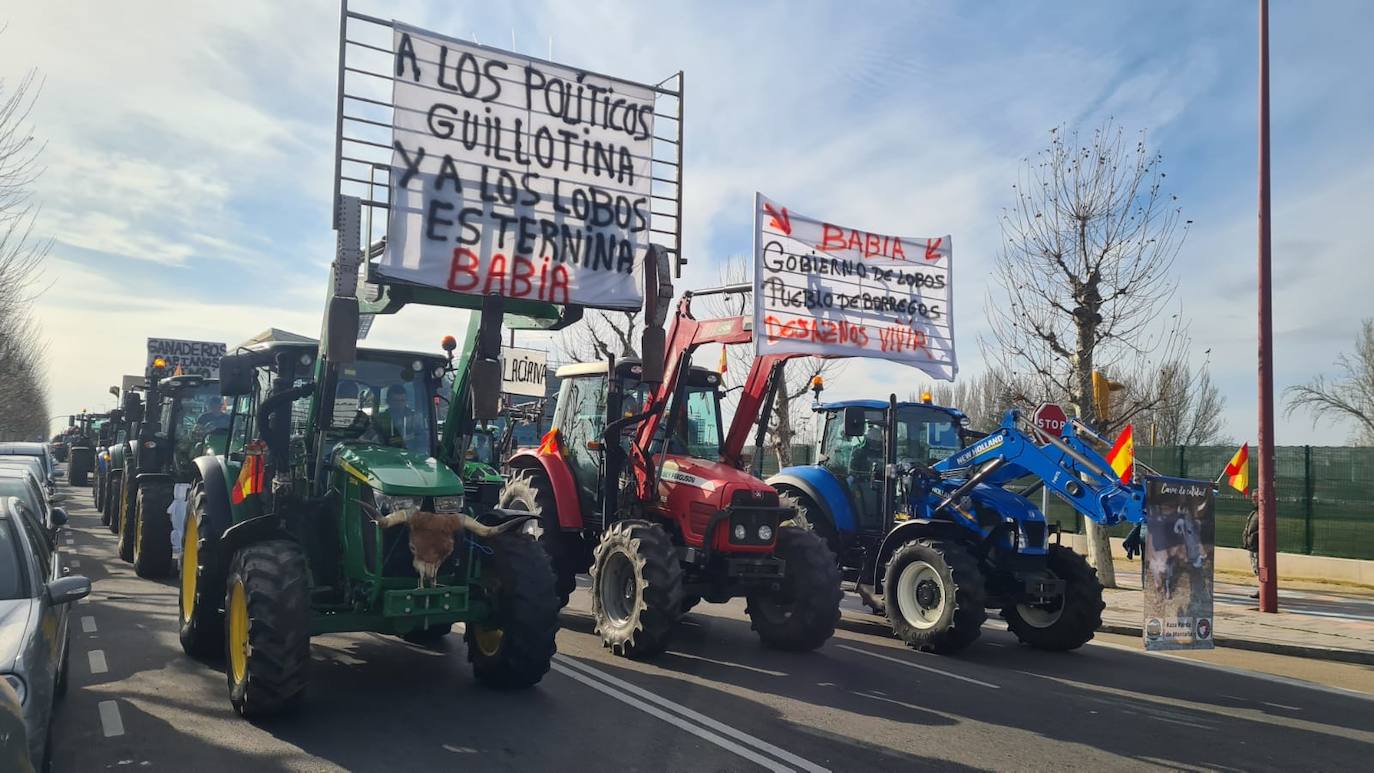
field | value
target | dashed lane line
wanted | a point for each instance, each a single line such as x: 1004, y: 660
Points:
x: 98, y: 664
x: 110, y: 722
x: 909, y: 664
x: 88, y: 624
x: 696, y: 723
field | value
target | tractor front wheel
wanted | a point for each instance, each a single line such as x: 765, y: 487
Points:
x: 201, y: 624
x: 636, y: 589
x: 513, y: 647
x: 267, y: 628
x: 934, y: 596
x: 128, y: 519
x: 531, y: 492
x: 110, y: 506
x: 802, y: 615
x: 153, y: 535
x: 1074, y: 619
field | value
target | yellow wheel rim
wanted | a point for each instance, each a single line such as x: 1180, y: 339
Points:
x: 489, y: 640
x: 238, y: 632
x: 190, y: 562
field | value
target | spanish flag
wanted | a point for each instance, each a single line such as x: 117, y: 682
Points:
x: 722, y: 359
x: 1122, y: 455
x: 250, y: 479
x: 1238, y: 470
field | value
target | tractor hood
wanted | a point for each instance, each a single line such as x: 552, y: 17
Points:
x: 719, y: 481
x: 397, y: 470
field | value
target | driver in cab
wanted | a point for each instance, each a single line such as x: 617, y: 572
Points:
x: 397, y: 424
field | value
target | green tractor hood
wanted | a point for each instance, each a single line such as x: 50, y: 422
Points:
x: 397, y: 470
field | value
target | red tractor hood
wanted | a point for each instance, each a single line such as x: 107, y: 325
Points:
x: 717, y: 482
x: 694, y: 491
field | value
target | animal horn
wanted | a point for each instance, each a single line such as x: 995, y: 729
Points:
x: 386, y: 522
x: 482, y: 530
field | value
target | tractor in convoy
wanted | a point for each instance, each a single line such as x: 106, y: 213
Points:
x: 116, y: 455
x: 182, y: 417
x: 84, y: 431
x: 331, y: 510
x: 629, y: 484
x: 920, y: 513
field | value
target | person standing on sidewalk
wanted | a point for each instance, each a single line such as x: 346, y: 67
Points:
x: 1249, y: 539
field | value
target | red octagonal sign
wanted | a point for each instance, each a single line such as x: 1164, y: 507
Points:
x: 1050, y: 419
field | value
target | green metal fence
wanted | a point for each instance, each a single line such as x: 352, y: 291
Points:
x: 1325, y: 496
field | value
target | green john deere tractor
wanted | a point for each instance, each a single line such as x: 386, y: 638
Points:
x: 332, y: 509
x: 184, y: 417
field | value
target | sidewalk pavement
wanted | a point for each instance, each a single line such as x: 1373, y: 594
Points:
x: 1312, y: 622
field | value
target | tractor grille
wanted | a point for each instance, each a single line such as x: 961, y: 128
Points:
x: 755, y: 498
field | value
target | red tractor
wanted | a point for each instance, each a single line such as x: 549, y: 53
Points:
x: 632, y: 483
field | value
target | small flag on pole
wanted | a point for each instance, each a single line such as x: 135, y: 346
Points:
x: 1122, y: 455
x: 722, y: 359
x: 1238, y: 470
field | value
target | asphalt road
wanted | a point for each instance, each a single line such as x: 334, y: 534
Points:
x: 716, y: 701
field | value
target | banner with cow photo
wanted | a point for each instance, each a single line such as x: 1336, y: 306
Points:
x: 1179, y: 560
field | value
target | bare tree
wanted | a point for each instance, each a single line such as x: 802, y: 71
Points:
x: 23, y: 387
x: 1188, y: 409
x: 984, y: 398
x: 1349, y: 396
x: 1084, y: 278
x: 602, y: 334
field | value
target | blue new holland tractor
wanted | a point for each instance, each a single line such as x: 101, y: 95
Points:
x: 919, y: 512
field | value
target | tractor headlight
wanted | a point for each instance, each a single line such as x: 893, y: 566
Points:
x: 741, y: 533
x: 453, y: 504
x: 765, y: 533
x: 20, y: 689
x: 388, y: 504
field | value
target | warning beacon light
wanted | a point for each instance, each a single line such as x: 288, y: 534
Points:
x: 159, y: 362
x: 817, y: 384
x: 925, y: 396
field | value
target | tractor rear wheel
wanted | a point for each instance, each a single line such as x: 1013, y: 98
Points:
x: 153, y: 537
x: 513, y: 647
x: 108, y: 507
x: 802, y: 615
x: 128, y: 518
x: 267, y: 628
x: 934, y: 596
x: 1072, y: 622
x: 201, y: 624
x: 636, y: 588
x: 531, y: 492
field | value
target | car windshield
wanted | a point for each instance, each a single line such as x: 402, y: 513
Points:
x: 26, y: 463
x: 387, y: 400
x: 925, y: 434
x: 23, y: 489
x: 13, y: 584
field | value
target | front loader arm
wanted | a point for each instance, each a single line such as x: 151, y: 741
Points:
x: 1067, y: 466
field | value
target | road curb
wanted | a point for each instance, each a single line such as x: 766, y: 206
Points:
x: 1276, y: 648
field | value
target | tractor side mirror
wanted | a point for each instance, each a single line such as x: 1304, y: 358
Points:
x: 854, y: 423
x: 485, y: 377
x: 653, y: 344
x: 236, y: 375
x: 341, y: 328
x: 71, y: 421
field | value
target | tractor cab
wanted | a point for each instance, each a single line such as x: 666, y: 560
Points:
x: 193, y: 419
x: 854, y: 447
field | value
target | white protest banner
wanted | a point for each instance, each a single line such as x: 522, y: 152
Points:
x: 193, y: 358
x: 825, y: 289
x: 517, y: 177
x: 523, y: 371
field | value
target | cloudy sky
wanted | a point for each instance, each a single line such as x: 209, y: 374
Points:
x: 189, y: 152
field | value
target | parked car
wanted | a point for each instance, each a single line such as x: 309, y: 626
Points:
x: 39, y: 450
x: 35, y: 603
x: 14, y: 737
x: 18, y: 482
x: 32, y: 466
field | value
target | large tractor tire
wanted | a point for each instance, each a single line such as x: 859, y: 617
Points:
x: 198, y: 607
x: 514, y: 646
x: 127, y: 516
x: 531, y: 492
x: 98, y: 490
x: 934, y: 596
x: 77, y: 471
x: 109, y: 507
x: 153, y: 535
x: 1073, y: 622
x: 636, y: 589
x: 803, y: 614
x: 267, y: 628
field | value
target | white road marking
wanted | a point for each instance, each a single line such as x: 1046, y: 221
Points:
x: 98, y: 665
x: 622, y: 690
x: 899, y: 661
x: 1276, y: 679
x: 110, y: 721
x: 88, y: 624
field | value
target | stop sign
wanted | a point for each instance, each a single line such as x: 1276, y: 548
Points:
x: 1050, y: 419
